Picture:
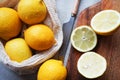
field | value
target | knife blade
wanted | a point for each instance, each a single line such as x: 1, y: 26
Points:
x: 67, y: 29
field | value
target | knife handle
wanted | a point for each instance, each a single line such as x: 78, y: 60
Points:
x: 75, y: 7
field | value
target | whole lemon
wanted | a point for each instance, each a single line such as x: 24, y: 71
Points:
x: 10, y: 24
x: 52, y: 70
x: 32, y: 11
x: 18, y: 50
x: 39, y: 37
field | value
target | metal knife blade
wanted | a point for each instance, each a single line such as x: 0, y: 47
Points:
x: 67, y: 29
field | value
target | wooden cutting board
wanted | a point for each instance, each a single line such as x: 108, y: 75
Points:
x: 108, y: 46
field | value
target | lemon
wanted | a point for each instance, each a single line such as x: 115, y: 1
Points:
x: 52, y: 70
x: 32, y: 11
x: 83, y: 38
x: 39, y: 37
x: 106, y: 22
x: 91, y: 65
x: 18, y: 50
x: 10, y: 24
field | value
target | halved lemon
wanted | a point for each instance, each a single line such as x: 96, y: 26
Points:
x: 106, y: 22
x: 83, y: 38
x: 91, y: 65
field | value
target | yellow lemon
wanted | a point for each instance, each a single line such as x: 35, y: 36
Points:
x: 83, y: 38
x: 52, y: 70
x: 10, y: 24
x: 32, y: 11
x: 18, y: 50
x: 39, y: 37
x: 106, y: 22
x: 91, y: 65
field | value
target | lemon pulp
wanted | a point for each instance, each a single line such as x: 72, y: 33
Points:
x: 105, y: 22
x: 91, y: 65
x: 83, y: 38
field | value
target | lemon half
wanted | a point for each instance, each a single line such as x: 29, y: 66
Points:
x: 106, y: 22
x: 83, y: 38
x: 91, y: 65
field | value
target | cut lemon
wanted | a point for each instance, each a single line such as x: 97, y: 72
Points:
x: 91, y: 65
x: 105, y: 22
x: 83, y: 38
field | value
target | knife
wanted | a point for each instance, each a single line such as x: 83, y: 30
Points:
x: 67, y: 29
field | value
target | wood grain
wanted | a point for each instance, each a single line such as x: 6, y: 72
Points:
x: 108, y: 46
x: 111, y: 4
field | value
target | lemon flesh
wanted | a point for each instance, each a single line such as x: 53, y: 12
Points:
x: 106, y: 22
x: 83, y: 38
x: 91, y: 65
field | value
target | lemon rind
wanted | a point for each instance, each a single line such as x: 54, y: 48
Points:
x: 80, y: 27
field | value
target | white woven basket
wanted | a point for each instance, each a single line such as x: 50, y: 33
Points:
x: 32, y: 64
